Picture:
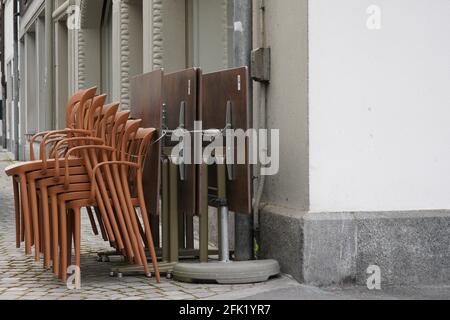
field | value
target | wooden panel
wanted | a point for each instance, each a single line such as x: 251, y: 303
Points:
x: 217, y: 89
x: 146, y: 104
x: 182, y: 87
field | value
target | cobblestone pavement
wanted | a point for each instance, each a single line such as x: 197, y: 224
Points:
x: 22, y: 278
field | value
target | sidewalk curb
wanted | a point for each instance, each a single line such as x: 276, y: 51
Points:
x: 282, y: 282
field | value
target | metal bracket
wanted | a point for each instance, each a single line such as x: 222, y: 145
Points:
x: 165, y: 125
x: 182, y: 125
x: 229, y: 126
x: 261, y: 61
x: 169, y: 133
x: 182, y: 121
x: 218, y: 202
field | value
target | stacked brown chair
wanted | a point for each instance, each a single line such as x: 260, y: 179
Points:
x: 110, y: 192
x: 24, y: 221
x: 102, y: 153
x: 69, y: 190
x: 111, y: 185
x: 128, y: 170
x: 47, y: 185
x: 34, y: 178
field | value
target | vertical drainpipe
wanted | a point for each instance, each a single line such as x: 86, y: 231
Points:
x: 16, y: 78
x: 243, y: 45
x: 49, y: 64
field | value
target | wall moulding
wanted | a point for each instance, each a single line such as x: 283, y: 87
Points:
x: 61, y: 11
x: 157, y: 34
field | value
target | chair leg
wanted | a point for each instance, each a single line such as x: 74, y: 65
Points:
x: 135, y: 222
x: 26, y: 213
x: 46, y: 218
x: 63, y: 246
x: 120, y: 216
x: 139, y: 255
x: 138, y: 231
x: 77, y: 236
x: 35, y: 218
x: 17, y: 212
x: 148, y: 231
x: 22, y: 225
x: 55, y: 233
x: 100, y: 223
x: 101, y: 193
x: 141, y: 231
x: 50, y: 230
x: 41, y: 225
x: 92, y: 220
x: 106, y: 220
x: 70, y: 235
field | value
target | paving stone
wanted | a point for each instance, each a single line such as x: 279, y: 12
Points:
x: 17, y: 289
x: 36, y: 294
x: 181, y: 297
x: 22, y: 278
x: 204, y: 295
x: 9, y: 297
x: 153, y: 296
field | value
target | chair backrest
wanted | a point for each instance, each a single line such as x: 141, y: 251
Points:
x: 106, y: 120
x: 139, y: 145
x: 91, y: 120
x: 90, y: 124
x: 112, y: 127
x: 118, y: 129
x: 74, y: 114
x: 120, y: 139
x: 135, y: 148
x: 126, y: 141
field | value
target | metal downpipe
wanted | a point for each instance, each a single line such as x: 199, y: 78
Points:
x: 243, y: 44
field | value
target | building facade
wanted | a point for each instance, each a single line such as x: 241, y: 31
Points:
x: 88, y: 38
x: 358, y: 90
x: 8, y: 61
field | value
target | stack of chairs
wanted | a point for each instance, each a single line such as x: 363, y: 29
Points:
x: 95, y: 163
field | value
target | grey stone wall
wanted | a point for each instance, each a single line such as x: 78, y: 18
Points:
x: 411, y: 248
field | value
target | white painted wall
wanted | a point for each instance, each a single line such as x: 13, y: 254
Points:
x: 379, y: 106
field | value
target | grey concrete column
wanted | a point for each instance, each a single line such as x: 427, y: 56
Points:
x: 22, y: 101
x: 44, y: 120
x: 91, y: 50
x: 72, y: 60
x: 29, y: 106
x: 49, y: 63
x: 61, y: 72
x: 115, y: 54
x: 16, y: 79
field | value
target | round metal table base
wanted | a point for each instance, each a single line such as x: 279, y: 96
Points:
x: 226, y: 273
